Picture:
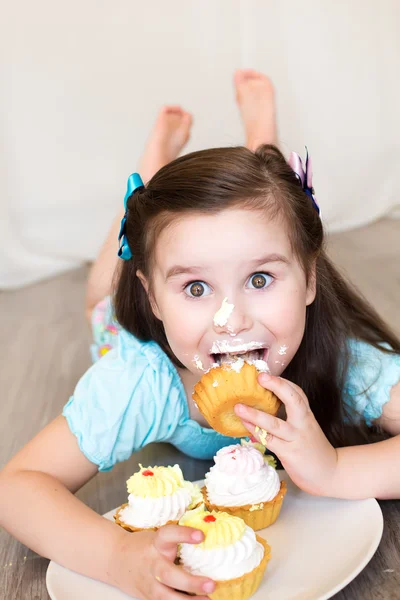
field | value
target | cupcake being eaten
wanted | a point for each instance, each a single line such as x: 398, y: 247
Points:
x: 231, y: 554
x: 232, y: 379
x: 243, y: 484
x: 157, y: 496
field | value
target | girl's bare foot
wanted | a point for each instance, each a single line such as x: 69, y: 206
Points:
x: 256, y: 100
x: 169, y: 135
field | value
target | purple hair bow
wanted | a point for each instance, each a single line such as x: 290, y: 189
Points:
x: 304, y: 176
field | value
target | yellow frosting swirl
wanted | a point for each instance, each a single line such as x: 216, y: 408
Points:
x: 152, y: 482
x: 219, y: 528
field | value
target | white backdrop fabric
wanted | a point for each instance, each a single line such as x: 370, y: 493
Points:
x: 81, y: 83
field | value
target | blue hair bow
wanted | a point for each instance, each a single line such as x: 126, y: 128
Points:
x: 134, y: 183
x: 304, y: 176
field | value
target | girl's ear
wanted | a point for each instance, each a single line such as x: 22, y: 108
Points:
x: 152, y: 301
x: 311, y: 284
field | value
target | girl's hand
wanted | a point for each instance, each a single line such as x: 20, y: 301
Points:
x: 299, y: 442
x: 143, y: 565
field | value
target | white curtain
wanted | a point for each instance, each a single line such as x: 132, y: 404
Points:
x: 81, y: 83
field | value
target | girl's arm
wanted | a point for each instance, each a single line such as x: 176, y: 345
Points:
x: 374, y: 467
x: 390, y: 419
x: 311, y: 461
x: 38, y: 507
x: 368, y: 471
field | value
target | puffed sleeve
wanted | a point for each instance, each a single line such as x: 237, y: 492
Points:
x: 129, y: 398
x: 371, y: 375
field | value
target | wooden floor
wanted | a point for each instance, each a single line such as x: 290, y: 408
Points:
x: 45, y: 344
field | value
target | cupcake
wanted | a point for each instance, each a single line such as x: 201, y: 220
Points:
x: 157, y: 496
x: 231, y: 554
x: 243, y: 484
x: 225, y: 385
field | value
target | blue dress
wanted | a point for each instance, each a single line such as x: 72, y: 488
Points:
x: 133, y: 395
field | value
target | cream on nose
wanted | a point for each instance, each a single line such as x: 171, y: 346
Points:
x: 230, y: 319
x: 222, y: 315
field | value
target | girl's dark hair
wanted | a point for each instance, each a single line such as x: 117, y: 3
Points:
x: 212, y: 180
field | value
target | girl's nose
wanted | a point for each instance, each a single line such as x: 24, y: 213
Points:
x: 233, y: 321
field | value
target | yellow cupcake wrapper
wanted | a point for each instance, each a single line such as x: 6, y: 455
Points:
x: 245, y: 586
x: 221, y: 388
x: 257, y: 516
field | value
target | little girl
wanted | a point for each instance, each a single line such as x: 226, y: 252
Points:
x: 236, y: 227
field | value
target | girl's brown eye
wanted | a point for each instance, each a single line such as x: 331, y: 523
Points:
x: 258, y: 281
x: 196, y: 289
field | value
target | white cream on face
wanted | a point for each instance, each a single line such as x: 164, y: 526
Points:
x: 224, y: 346
x: 282, y: 350
x: 198, y: 363
x: 222, y: 315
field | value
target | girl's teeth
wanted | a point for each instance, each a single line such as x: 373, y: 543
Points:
x: 247, y: 356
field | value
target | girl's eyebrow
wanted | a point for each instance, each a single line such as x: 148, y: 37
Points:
x: 181, y: 270
x: 270, y: 258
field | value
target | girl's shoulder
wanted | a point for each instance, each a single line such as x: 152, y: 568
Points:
x: 131, y: 396
x: 371, y: 374
x: 109, y: 335
x: 133, y: 360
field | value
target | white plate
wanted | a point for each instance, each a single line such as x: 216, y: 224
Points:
x: 318, y: 546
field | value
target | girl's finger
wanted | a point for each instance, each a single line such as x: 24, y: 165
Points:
x: 179, y: 579
x: 300, y: 391
x: 260, y: 435
x: 168, y: 537
x: 293, y: 398
x: 265, y: 438
x: 274, y: 426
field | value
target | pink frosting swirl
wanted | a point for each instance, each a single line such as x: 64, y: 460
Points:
x: 240, y: 476
x: 239, y: 459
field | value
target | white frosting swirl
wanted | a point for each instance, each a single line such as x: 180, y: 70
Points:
x: 144, y: 512
x: 227, y: 562
x: 240, y: 476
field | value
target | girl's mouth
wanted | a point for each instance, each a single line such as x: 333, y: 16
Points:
x: 248, y: 356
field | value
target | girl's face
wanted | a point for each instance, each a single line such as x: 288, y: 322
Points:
x: 242, y: 263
